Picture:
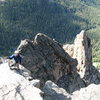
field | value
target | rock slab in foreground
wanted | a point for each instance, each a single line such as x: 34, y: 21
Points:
x: 92, y: 92
x: 53, y: 92
x: 13, y: 86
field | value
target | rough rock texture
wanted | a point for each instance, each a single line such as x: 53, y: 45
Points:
x: 1, y: 60
x: 82, y: 51
x: 45, y: 58
x: 92, y: 92
x: 14, y: 86
x: 69, y: 48
x: 35, y: 83
x: 53, y: 92
x: 71, y: 82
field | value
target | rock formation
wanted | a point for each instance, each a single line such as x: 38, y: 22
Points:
x: 13, y: 86
x: 53, y: 92
x: 45, y: 58
x: 92, y: 92
x: 82, y: 51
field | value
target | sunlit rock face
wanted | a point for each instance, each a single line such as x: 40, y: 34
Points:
x: 54, y: 92
x: 81, y: 50
x: 14, y: 86
x: 83, y: 53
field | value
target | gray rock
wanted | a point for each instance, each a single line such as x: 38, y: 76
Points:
x: 53, y: 92
x: 1, y: 60
x: 82, y: 51
x: 69, y: 48
x: 14, y: 86
x: 35, y: 83
x: 83, y: 54
x: 92, y: 92
x: 45, y: 58
x: 25, y: 72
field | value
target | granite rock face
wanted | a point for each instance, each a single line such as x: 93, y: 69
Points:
x: 53, y: 92
x: 13, y: 86
x: 92, y: 92
x: 69, y: 48
x: 45, y: 58
x: 82, y: 51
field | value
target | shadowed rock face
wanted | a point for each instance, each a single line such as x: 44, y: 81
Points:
x: 45, y: 58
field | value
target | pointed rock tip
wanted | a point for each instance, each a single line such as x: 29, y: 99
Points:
x: 82, y: 34
x: 41, y: 36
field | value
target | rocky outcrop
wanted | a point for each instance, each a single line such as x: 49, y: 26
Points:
x: 92, y: 92
x: 13, y: 86
x: 53, y: 92
x: 82, y: 51
x: 71, y: 82
x: 45, y: 58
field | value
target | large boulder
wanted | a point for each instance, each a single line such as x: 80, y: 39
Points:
x: 92, y: 92
x: 54, y: 92
x: 45, y: 58
x: 13, y: 86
